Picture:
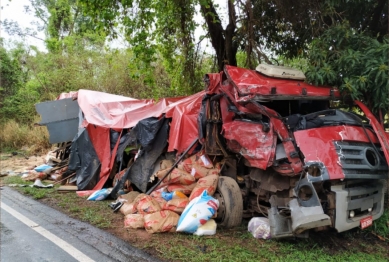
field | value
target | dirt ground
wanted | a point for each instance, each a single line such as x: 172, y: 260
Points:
x: 331, y: 241
x: 18, y: 163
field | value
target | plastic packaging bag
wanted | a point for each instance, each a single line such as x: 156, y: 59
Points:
x: 197, y: 213
x: 100, y: 194
x: 208, y: 229
x: 42, y: 168
x: 259, y: 227
x: 173, y: 195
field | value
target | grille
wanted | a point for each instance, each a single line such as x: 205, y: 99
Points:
x: 360, y: 160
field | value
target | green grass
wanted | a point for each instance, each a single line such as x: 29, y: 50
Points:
x: 92, y: 212
x: 227, y: 244
x: 192, y: 248
x: 16, y: 180
x: 34, y: 192
x: 381, y: 226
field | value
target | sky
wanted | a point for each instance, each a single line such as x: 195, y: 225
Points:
x: 14, y: 10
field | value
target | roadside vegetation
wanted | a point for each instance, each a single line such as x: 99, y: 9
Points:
x: 227, y: 245
x: 338, y: 43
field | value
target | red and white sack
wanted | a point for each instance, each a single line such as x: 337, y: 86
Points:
x: 147, y: 205
x: 200, y: 171
x: 177, y: 176
x: 166, y: 163
x: 208, y: 183
x: 134, y: 221
x: 129, y: 197
x: 162, y: 221
x: 185, y: 189
x: 176, y: 204
x: 200, y: 159
x: 160, y: 201
x: 127, y: 208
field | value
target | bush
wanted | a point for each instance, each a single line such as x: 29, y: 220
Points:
x: 17, y: 136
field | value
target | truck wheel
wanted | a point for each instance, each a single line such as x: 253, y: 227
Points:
x: 230, y: 200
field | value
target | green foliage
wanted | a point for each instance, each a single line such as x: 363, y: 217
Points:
x: 288, y: 29
x: 12, y: 75
x: 354, y: 62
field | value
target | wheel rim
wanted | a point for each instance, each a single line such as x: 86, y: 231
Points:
x: 222, y: 207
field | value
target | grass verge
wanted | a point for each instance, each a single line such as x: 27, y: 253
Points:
x: 228, y: 244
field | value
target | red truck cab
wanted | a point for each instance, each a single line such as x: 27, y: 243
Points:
x: 295, y: 159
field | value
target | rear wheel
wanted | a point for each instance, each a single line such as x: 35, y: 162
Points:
x: 230, y: 200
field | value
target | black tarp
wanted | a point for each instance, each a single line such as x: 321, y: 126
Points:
x: 152, y: 135
x: 84, y: 160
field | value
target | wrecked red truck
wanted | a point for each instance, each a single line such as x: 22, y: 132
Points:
x: 284, y: 151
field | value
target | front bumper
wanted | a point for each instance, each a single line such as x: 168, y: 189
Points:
x: 358, y: 198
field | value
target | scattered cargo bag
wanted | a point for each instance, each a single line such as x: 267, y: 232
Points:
x: 130, y: 197
x: 147, y: 205
x: 134, y: 221
x: 260, y: 227
x: 176, y: 176
x: 137, y: 199
x: 100, y: 194
x: 208, y: 229
x: 200, y: 158
x: 208, y: 183
x: 186, y: 189
x: 42, y: 168
x: 162, y: 221
x: 173, y: 195
x: 166, y: 164
x: 160, y: 201
x: 127, y: 208
x: 176, y: 204
x: 197, y: 213
x: 200, y: 171
x: 158, y: 191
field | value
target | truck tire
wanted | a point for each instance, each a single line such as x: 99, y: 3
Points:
x: 230, y: 210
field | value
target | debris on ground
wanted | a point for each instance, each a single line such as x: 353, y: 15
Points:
x: 259, y: 227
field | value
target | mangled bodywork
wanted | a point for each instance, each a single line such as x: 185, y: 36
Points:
x: 294, y: 158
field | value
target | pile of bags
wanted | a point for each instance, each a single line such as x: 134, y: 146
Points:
x: 182, y: 202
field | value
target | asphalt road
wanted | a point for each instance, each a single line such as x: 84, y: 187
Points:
x: 31, y: 231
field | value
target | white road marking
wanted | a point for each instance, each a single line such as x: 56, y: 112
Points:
x: 78, y: 255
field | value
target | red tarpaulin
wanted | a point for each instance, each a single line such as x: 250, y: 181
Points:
x: 104, y: 111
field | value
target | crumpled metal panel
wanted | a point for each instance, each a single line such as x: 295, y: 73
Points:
x: 61, y: 119
x: 317, y: 145
x: 251, y: 83
x: 249, y: 140
x: 380, y: 132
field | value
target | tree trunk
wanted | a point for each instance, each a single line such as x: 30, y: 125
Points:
x: 222, y: 41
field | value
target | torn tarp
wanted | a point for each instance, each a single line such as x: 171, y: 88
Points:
x: 152, y: 134
x: 84, y: 160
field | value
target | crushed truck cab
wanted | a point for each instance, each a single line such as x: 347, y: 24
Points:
x: 284, y: 151
x: 296, y: 160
